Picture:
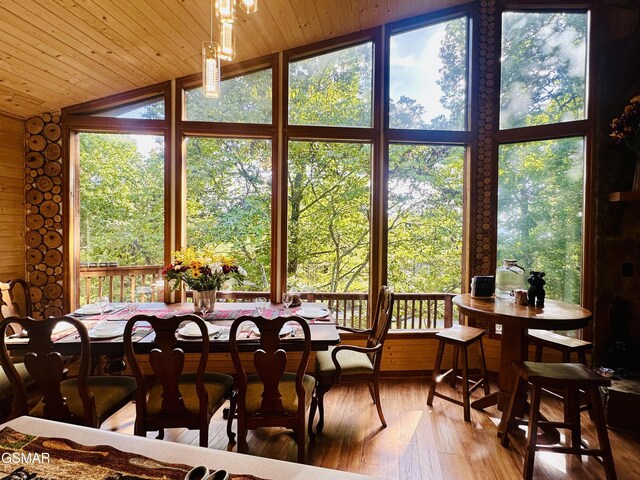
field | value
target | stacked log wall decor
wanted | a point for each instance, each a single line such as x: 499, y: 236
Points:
x: 12, y: 198
x: 43, y: 207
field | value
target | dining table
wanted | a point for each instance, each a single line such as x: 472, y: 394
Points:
x: 516, y: 320
x: 49, y: 449
x: 322, y: 327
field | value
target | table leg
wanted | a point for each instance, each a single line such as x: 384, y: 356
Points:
x: 513, y: 347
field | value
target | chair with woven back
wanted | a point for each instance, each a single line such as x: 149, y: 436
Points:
x: 85, y: 400
x: 175, y: 398
x: 274, y: 396
x: 351, y: 363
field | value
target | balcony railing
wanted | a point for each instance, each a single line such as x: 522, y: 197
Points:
x: 122, y: 284
x: 412, y: 311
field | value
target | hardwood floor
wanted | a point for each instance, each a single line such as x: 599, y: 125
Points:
x: 420, y: 442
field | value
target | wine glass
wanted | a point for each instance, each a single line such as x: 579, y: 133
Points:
x: 102, y: 303
x: 131, y: 307
x: 261, y: 305
x: 287, y: 299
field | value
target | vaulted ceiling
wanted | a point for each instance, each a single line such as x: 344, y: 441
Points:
x: 55, y: 53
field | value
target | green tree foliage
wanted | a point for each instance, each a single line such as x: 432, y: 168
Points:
x: 540, y: 183
x: 543, y: 76
x: 121, y: 201
x: 229, y: 201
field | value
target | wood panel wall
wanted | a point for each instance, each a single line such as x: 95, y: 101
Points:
x: 11, y: 198
x: 43, y: 209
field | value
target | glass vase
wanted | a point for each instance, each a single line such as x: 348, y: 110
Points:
x: 204, y: 301
x: 509, y: 277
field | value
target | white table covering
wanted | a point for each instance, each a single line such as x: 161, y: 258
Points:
x: 178, y: 453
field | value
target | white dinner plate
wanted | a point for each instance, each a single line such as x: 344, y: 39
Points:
x: 191, y: 330
x: 312, y: 312
x: 92, y: 309
x: 284, y: 331
x: 106, y: 333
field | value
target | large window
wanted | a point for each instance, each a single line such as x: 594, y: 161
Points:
x: 540, y: 211
x: 362, y: 174
x: 121, y: 199
x: 329, y: 190
x: 540, y: 187
x: 425, y: 218
x: 229, y: 202
x: 544, y: 61
x: 428, y: 77
x: 243, y: 99
x: 333, y: 88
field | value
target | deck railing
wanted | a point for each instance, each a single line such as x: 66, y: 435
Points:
x: 122, y: 284
x: 412, y: 311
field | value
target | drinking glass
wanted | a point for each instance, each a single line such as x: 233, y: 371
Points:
x: 102, y: 303
x: 261, y: 305
x: 131, y: 307
x: 287, y: 299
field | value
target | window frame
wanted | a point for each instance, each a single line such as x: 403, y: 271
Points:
x: 576, y: 128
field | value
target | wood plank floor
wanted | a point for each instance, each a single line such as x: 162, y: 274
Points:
x: 420, y: 442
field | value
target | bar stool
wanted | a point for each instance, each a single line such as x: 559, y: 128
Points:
x: 460, y: 336
x: 566, y: 345
x: 572, y: 377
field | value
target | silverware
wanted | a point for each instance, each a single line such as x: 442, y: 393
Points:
x: 217, y: 334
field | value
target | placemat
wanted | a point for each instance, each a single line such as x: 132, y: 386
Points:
x: 45, y: 458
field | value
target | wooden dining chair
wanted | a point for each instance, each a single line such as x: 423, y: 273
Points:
x: 175, y: 398
x: 15, y: 301
x: 86, y: 400
x: 350, y: 363
x: 273, y: 396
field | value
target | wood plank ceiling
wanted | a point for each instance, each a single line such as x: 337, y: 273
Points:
x: 55, y: 53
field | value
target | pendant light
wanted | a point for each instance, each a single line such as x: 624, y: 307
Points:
x: 211, y: 64
x: 227, y: 42
x: 249, y: 6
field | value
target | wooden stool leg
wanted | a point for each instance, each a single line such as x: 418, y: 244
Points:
x: 538, y: 357
x: 436, y: 373
x: 572, y: 414
x: 532, y: 434
x: 454, y: 366
x: 582, y: 358
x: 483, y: 370
x: 465, y: 385
x: 603, y: 435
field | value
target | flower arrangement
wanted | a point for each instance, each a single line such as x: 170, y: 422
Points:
x: 626, y: 129
x: 203, y: 269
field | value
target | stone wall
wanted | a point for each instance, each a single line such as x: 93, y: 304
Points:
x: 617, y: 282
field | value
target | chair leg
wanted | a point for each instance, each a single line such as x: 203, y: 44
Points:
x: 233, y: 402
x: 160, y: 434
x: 436, y: 373
x: 454, y: 366
x: 372, y: 393
x: 312, y: 414
x: 376, y: 391
x: 465, y: 385
x: 532, y: 434
x: 603, y: 435
x: 241, y: 444
x: 204, y: 435
x: 301, y: 439
x: 320, y: 391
